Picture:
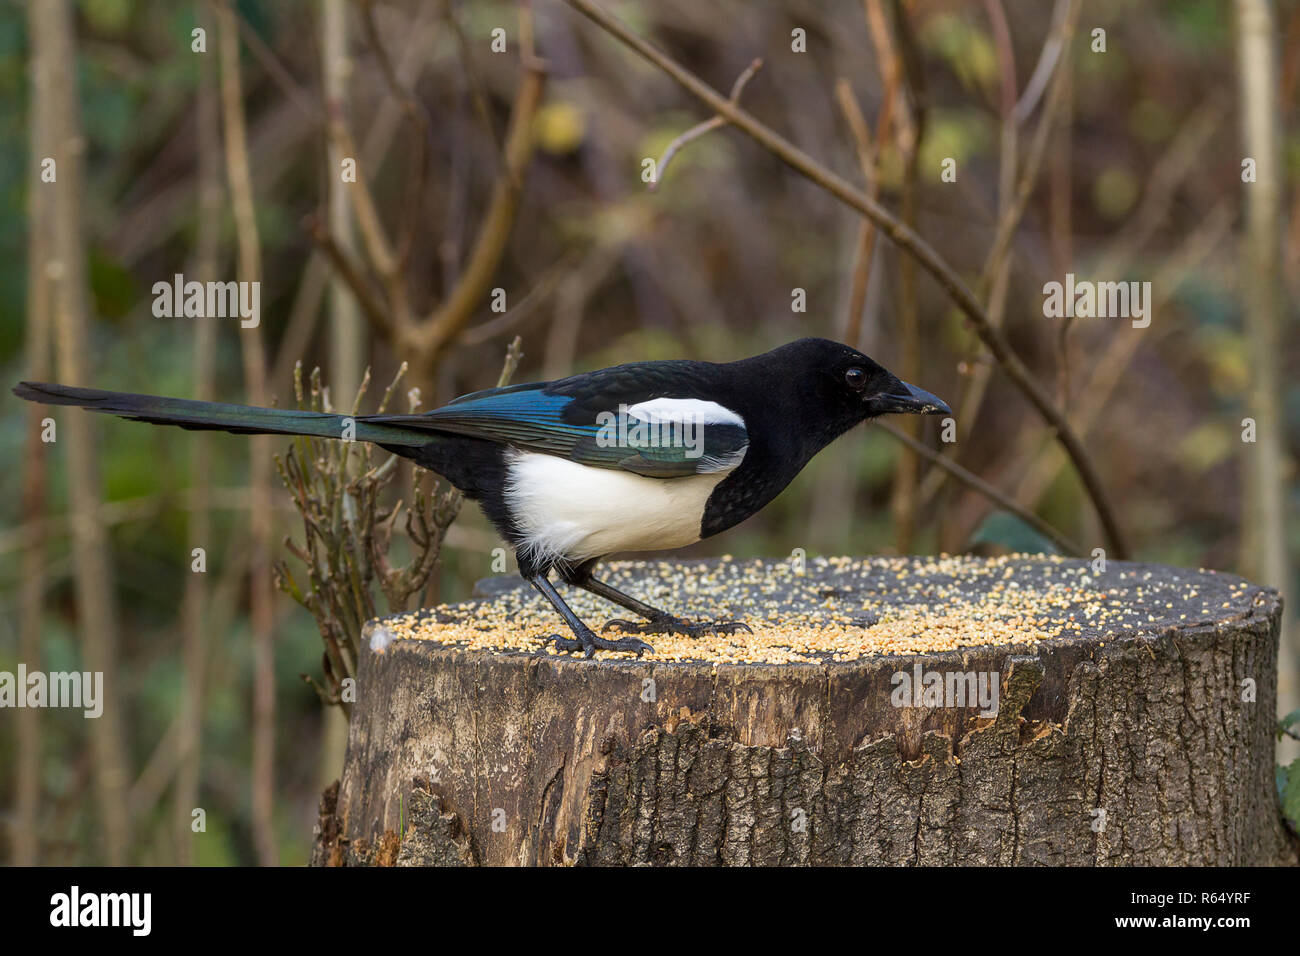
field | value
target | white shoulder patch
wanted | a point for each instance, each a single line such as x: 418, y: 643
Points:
x: 685, y: 410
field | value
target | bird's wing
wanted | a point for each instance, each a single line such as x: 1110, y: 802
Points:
x: 629, y: 421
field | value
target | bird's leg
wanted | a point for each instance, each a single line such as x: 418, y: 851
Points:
x: 587, y: 640
x: 657, y: 621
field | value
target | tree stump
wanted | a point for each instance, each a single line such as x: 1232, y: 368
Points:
x: 1021, y: 710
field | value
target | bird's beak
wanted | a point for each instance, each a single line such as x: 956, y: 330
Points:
x: 910, y: 399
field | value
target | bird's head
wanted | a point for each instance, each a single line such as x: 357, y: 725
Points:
x: 844, y: 378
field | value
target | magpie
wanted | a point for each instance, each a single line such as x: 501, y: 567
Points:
x: 640, y: 457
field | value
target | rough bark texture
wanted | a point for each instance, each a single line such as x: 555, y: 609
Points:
x: 1145, y: 748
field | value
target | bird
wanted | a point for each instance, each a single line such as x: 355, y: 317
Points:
x: 645, y: 456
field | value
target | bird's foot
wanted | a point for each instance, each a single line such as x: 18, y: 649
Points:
x: 589, y: 643
x: 676, y: 625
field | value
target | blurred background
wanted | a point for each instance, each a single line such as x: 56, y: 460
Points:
x: 502, y: 191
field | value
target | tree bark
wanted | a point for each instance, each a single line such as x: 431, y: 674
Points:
x: 1147, y: 747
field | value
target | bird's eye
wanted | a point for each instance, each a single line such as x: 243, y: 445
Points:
x: 855, y: 377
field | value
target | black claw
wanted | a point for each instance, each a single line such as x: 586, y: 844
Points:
x: 677, y: 625
x: 589, y: 643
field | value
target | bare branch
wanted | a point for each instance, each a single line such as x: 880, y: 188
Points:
x: 695, y: 132
x: 447, y: 321
x: 983, y: 487
x: 343, y: 264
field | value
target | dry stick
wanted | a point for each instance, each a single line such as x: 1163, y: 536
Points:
x: 96, y: 598
x: 695, y: 132
x: 422, y: 344
x: 347, y: 343
x: 868, y: 156
x: 35, y: 464
x: 1169, y: 172
x: 902, y: 236
x: 373, y: 308
x: 890, y: 67
x: 347, y: 339
x: 419, y: 120
x: 477, y: 91
x: 445, y: 323
x: 1264, y: 545
x: 995, y: 282
x: 254, y: 360
x: 1039, y: 468
x: 1038, y: 146
x: 906, y: 58
x: 1045, y: 66
x: 539, y: 292
x: 379, y: 250
x: 1060, y: 247
x: 305, y: 312
x: 984, y: 488
x: 995, y: 273
x: 195, y: 604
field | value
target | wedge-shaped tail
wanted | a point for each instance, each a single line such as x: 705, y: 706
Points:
x: 217, y: 416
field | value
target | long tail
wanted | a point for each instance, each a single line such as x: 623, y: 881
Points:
x: 217, y: 416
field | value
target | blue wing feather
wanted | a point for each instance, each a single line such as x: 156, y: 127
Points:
x: 532, y: 418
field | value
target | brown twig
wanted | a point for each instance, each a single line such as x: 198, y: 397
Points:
x: 423, y: 341
x: 375, y: 310
x: 419, y: 119
x: 983, y: 487
x: 249, y: 255
x: 348, y: 533
x: 868, y: 153
x: 700, y: 129
x: 1029, y: 176
x: 477, y: 92
x: 442, y: 326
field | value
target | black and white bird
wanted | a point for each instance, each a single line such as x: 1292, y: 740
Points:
x: 640, y: 457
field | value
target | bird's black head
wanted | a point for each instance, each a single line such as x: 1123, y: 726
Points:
x: 840, y: 387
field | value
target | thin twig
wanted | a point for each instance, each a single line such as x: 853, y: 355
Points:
x: 695, y: 132
x: 983, y: 487
x: 1046, y: 64
x: 415, y: 112
x: 343, y: 264
x: 261, y: 602
x: 868, y: 153
x: 444, y: 324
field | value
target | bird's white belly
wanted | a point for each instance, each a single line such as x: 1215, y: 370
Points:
x: 574, y: 512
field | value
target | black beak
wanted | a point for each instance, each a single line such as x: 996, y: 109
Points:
x: 911, y: 400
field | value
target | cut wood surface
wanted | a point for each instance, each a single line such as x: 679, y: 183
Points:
x: 1130, y: 722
